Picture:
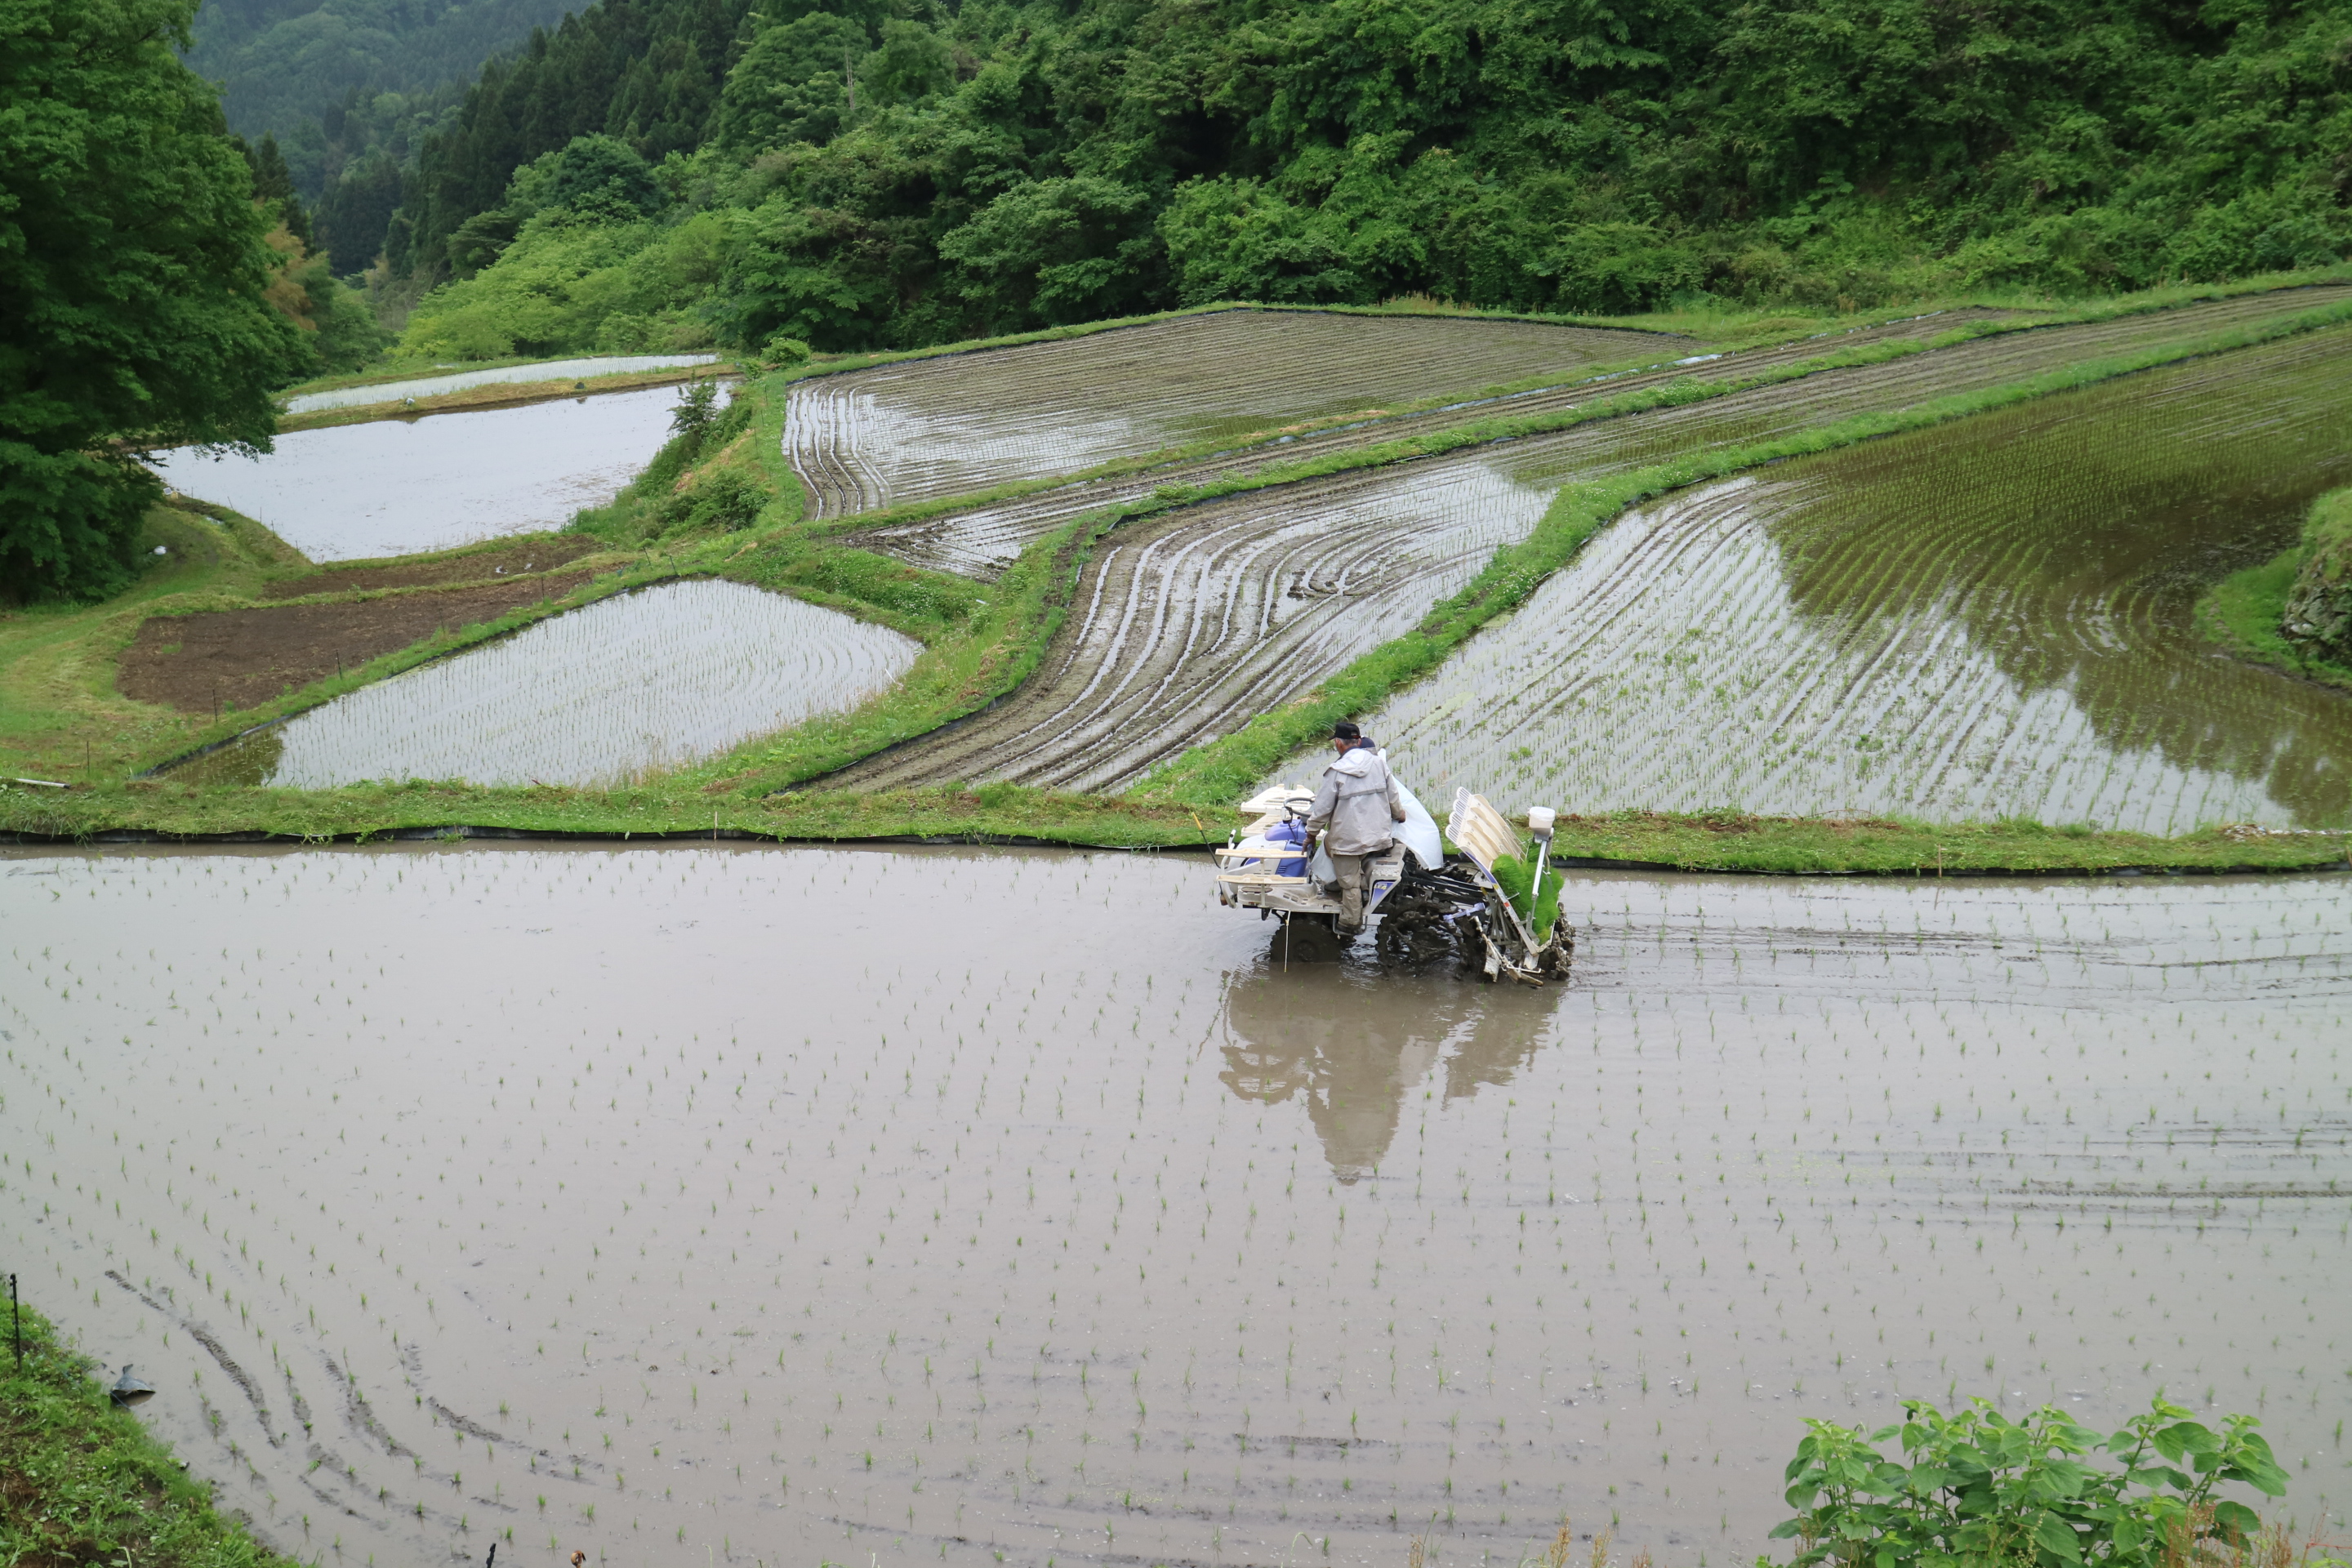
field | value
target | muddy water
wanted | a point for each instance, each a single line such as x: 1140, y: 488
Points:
x: 600, y: 695
x: 1992, y: 618
x: 1187, y: 626
x: 982, y: 541
x: 939, y: 427
x: 504, y: 376
x: 396, y: 487
x: 976, y: 1205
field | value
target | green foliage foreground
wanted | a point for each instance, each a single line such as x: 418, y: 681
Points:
x: 2294, y: 612
x: 132, y: 276
x: 81, y: 1481
x: 1976, y: 1487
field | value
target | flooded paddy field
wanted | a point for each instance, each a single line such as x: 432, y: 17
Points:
x: 1128, y: 1246
x: 937, y: 427
x: 982, y: 541
x: 1992, y: 618
x: 1186, y: 627
x: 399, y: 486
x: 602, y: 695
x: 502, y: 375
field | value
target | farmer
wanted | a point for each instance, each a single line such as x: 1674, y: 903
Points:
x: 1355, y: 806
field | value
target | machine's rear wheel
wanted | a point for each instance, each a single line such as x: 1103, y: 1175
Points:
x: 1308, y: 939
x: 1416, y: 935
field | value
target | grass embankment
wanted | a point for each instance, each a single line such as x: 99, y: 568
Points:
x: 2247, y: 612
x: 495, y: 395
x: 81, y: 1481
x: 728, y: 505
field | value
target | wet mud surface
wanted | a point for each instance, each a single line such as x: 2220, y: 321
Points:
x: 235, y: 658
x: 982, y: 541
x: 1990, y: 620
x: 971, y: 1203
x: 939, y: 426
x: 1185, y: 627
x: 402, y: 486
x: 542, y: 554
x: 605, y: 694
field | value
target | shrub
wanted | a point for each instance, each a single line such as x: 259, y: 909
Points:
x: 1982, y: 1487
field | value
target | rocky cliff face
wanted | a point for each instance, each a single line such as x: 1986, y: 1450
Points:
x: 2318, y: 613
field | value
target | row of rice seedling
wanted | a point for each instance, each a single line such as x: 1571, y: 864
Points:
x: 954, y: 1204
x: 982, y: 541
x: 1185, y: 627
x: 924, y: 429
x: 604, y: 695
x: 1982, y: 620
x: 394, y: 487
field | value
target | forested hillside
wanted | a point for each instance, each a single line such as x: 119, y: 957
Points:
x: 305, y: 70
x: 890, y: 172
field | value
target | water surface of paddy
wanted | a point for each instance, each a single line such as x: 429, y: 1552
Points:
x: 600, y: 695
x: 1989, y: 618
x: 935, y: 426
x: 397, y: 487
x: 982, y: 1203
x: 435, y: 386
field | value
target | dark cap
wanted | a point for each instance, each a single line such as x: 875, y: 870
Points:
x: 1346, y: 729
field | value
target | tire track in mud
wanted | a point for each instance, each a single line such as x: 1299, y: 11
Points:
x: 1184, y: 627
x: 926, y: 428
x: 983, y: 541
x: 218, y: 1351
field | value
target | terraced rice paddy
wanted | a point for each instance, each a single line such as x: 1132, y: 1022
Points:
x: 982, y: 541
x: 1987, y: 619
x: 1185, y: 627
x: 1130, y: 1246
x: 394, y: 487
x: 948, y: 425
x: 626, y: 687
x: 503, y: 375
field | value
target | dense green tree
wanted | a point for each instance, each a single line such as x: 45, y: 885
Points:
x: 898, y: 171
x: 132, y: 276
x: 792, y: 84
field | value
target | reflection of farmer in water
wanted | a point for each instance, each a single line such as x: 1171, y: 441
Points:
x: 1357, y: 807
x: 1352, y: 1057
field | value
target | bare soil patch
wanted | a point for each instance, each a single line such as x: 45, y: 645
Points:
x: 238, y: 658
x: 542, y: 554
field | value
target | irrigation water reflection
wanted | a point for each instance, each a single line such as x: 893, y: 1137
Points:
x: 1037, y: 1159
x: 501, y: 375
x: 600, y: 695
x: 396, y: 487
x: 1987, y: 618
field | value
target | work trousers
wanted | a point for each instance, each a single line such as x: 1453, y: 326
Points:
x: 1353, y: 871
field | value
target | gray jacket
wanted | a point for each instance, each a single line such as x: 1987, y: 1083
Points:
x: 1358, y: 802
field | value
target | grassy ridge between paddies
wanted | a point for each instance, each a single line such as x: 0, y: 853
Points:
x: 499, y: 394
x: 2246, y: 612
x: 981, y: 640
x: 1234, y: 766
x: 81, y: 1481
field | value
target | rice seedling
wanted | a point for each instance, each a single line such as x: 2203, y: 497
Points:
x: 935, y: 426
x: 1369, y: 1253
x: 604, y: 695
x: 1962, y: 624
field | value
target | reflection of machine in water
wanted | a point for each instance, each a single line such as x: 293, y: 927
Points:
x: 1353, y: 1052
